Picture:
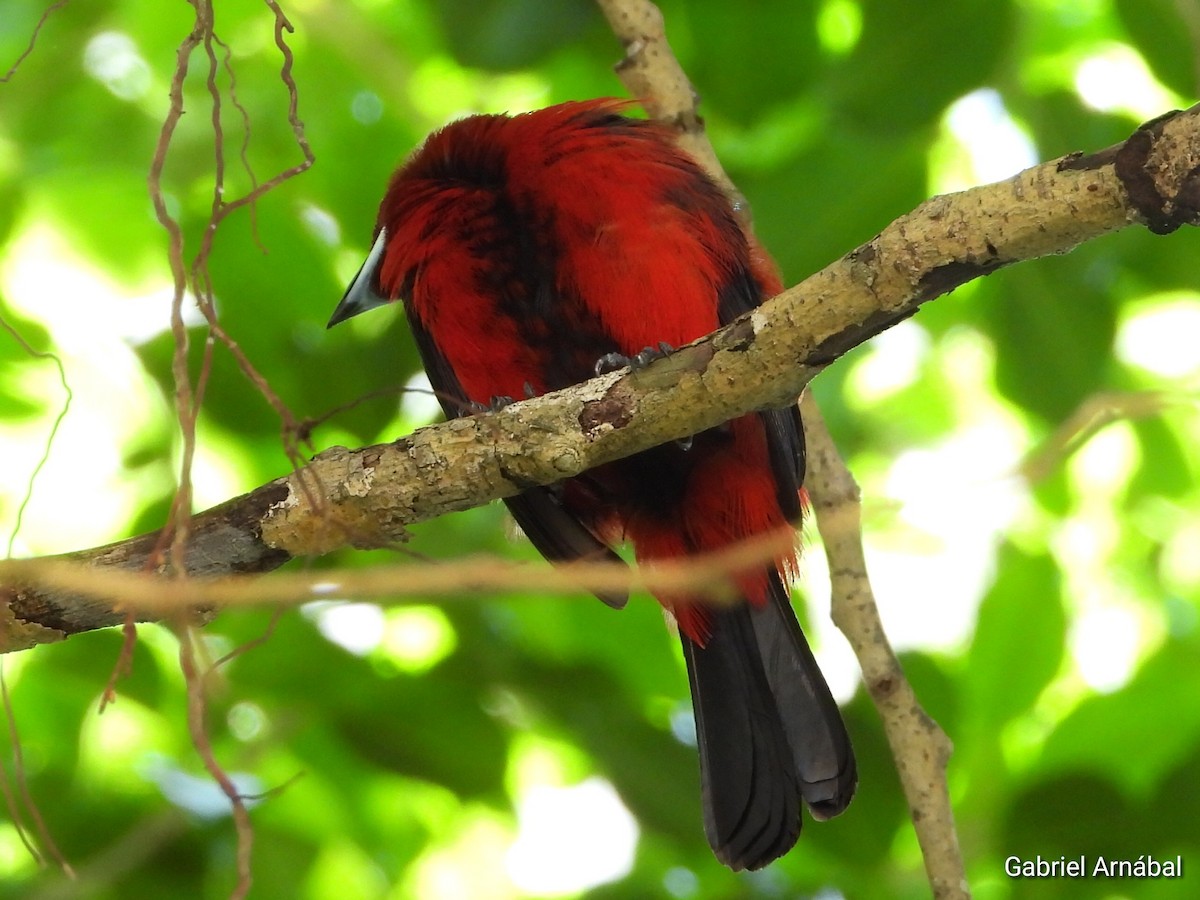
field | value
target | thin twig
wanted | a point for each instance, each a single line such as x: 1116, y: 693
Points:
x: 31, y: 806
x: 710, y: 576
x: 1091, y: 416
x: 10, y: 796
x: 919, y: 746
x: 188, y: 395
x: 197, y: 706
x: 37, y: 30
x: 68, y: 396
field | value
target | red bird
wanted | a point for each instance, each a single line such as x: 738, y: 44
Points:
x: 529, y: 252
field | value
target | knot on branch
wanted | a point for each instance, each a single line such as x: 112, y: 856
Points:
x: 606, y: 414
x: 1161, y: 177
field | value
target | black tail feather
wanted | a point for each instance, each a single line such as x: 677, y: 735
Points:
x: 770, y: 734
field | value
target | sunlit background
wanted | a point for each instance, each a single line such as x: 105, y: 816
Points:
x: 508, y: 747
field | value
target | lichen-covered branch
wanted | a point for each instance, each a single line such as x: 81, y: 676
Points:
x: 367, y: 497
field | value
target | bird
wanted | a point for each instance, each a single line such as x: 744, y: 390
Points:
x: 530, y: 252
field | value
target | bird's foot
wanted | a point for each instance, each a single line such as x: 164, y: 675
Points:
x: 610, y: 362
x: 500, y: 402
x: 494, y: 405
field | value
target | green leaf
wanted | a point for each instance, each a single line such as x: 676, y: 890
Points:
x: 495, y: 34
x: 1161, y: 35
x: 1018, y: 643
x: 746, y: 71
x: 913, y: 59
x: 1135, y: 735
x: 1056, y: 331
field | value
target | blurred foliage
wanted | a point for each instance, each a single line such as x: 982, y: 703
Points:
x: 1051, y: 629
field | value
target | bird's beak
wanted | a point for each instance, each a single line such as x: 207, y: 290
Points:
x: 362, y: 293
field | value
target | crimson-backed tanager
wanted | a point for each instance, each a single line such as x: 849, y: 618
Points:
x: 529, y: 249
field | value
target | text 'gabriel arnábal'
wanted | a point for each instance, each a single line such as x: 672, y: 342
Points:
x: 1145, y: 866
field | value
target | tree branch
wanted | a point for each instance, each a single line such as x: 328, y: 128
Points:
x: 368, y: 497
x: 919, y: 746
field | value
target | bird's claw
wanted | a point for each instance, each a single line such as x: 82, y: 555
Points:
x: 610, y: 362
x: 494, y: 405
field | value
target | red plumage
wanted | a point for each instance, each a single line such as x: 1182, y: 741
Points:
x: 525, y: 249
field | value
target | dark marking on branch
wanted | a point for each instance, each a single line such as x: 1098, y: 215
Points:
x: 1131, y: 164
x: 736, y: 338
x: 608, y: 412
x: 945, y: 278
x: 1087, y: 162
x: 1188, y: 197
x: 864, y: 255
x: 517, y: 480
x: 836, y: 345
